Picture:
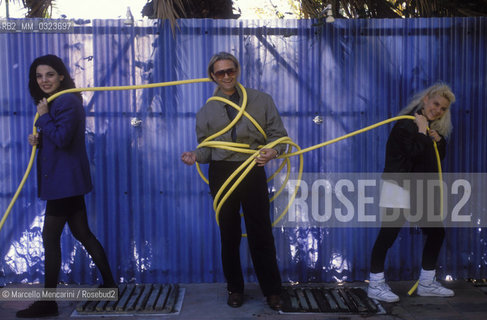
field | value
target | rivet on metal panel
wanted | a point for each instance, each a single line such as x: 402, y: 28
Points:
x: 135, y: 122
x: 318, y: 119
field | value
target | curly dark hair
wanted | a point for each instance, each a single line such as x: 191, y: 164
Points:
x: 57, y: 64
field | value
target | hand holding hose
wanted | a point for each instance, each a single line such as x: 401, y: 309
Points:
x: 434, y: 135
x: 33, y: 139
x: 42, y: 107
x: 265, y: 155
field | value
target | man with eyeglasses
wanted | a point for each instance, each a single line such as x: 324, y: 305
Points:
x: 252, y: 193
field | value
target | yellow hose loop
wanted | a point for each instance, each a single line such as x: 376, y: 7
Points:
x: 228, y: 127
x: 223, y: 145
x: 209, y: 142
x: 235, y: 106
x: 54, y: 96
x: 286, y: 163
x: 238, y: 145
x: 298, y: 184
x: 248, y: 165
x: 237, y: 117
x: 283, y: 163
x: 202, y: 175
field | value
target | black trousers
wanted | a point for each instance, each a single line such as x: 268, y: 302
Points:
x: 253, y: 196
x: 435, y: 235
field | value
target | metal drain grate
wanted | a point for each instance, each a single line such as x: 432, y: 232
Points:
x: 298, y: 299
x: 136, y: 299
x: 480, y: 283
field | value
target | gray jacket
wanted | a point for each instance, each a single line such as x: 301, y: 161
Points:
x: 213, y: 117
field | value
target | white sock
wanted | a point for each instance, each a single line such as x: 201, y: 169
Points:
x: 427, y: 275
x: 377, y: 276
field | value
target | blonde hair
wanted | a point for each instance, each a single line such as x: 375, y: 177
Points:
x: 443, y: 125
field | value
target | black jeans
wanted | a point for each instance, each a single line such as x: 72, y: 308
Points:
x: 253, y: 196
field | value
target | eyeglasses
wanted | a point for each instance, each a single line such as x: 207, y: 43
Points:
x: 220, y: 74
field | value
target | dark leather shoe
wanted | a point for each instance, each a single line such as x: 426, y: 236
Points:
x: 39, y: 309
x: 274, y: 301
x: 235, y: 299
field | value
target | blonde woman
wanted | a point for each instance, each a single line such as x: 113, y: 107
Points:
x: 409, y: 152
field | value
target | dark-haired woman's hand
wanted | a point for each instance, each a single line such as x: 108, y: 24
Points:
x: 42, y: 107
x: 33, y: 139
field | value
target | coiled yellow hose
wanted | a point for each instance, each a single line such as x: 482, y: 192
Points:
x: 247, y: 165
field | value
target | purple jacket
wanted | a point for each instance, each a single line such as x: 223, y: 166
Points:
x: 63, y: 169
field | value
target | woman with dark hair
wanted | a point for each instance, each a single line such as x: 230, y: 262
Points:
x: 63, y: 173
x: 57, y: 64
x: 410, y: 152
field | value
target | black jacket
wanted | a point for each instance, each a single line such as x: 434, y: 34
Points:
x: 407, y: 150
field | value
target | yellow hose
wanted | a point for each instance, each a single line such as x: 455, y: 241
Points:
x: 440, y: 177
x: 22, y: 182
x: 247, y: 165
x: 54, y: 96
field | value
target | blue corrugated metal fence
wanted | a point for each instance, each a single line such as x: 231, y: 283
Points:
x: 154, y: 215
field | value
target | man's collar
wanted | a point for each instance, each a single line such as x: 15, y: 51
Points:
x: 219, y: 92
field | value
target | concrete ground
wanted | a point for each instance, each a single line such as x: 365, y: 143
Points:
x: 208, y: 301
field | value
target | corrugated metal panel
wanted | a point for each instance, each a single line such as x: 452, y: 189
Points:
x: 153, y: 214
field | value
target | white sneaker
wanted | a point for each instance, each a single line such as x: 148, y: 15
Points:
x: 433, y: 289
x: 379, y: 290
